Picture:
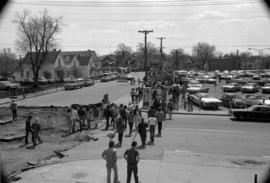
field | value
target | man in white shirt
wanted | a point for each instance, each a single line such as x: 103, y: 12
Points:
x: 152, y: 121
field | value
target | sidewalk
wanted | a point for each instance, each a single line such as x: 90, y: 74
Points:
x: 31, y: 95
x: 175, y: 167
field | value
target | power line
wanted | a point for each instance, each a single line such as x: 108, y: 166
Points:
x: 136, y: 4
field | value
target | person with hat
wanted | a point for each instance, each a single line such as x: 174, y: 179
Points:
x: 132, y: 157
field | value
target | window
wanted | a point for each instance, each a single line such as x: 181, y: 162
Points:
x: 27, y: 74
x: 22, y: 74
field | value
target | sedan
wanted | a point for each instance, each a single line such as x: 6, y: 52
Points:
x: 88, y: 82
x: 6, y: 85
x: 205, y: 100
x: 231, y: 87
x: 71, y: 85
x: 255, y: 112
x: 231, y: 100
x: 250, y: 87
x: 266, y: 88
x: 255, y: 100
x: 197, y: 88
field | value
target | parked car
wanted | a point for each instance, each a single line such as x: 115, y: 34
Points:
x: 255, y: 100
x: 205, y: 100
x: 71, y: 85
x: 232, y: 100
x: 197, y: 88
x: 263, y: 82
x: 42, y: 80
x: 6, y: 85
x: 88, y: 82
x: 256, y: 77
x: 255, y: 112
x: 106, y: 79
x: 250, y: 87
x: 266, y: 88
x: 211, y: 81
x: 27, y: 82
x: 231, y: 87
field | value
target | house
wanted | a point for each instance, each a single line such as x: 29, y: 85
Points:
x: 59, y: 65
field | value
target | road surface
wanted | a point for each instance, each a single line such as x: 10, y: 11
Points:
x: 85, y: 95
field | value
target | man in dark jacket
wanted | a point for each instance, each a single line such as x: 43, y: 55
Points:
x: 132, y: 157
x: 142, y: 131
x: 28, y: 128
x: 120, y: 128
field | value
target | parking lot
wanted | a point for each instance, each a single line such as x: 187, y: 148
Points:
x: 217, y: 91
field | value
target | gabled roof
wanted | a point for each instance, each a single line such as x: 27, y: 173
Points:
x: 50, y: 58
x: 82, y: 56
x: 84, y: 60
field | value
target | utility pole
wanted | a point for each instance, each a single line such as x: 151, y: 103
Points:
x: 161, y: 53
x: 5, y: 61
x: 145, y: 48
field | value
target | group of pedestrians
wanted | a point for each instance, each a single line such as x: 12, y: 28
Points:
x: 83, y: 116
x: 136, y: 94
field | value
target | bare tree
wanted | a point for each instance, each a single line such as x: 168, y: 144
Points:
x: 7, y: 61
x: 151, y: 49
x: 36, y: 35
x: 123, y: 53
x: 203, y: 52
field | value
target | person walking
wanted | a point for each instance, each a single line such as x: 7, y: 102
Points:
x: 130, y: 121
x: 160, y: 118
x: 81, y: 114
x: 170, y: 108
x: 107, y: 115
x: 88, y: 117
x: 123, y: 113
x: 75, y: 119
x: 120, y: 127
x: 13, y: 108
x: 28, y: 128
x: 132, y: 157
x: 36, y: 129
x: 110, y: 156
x: 152, y: 121
x: 137, y: 115
x: 142, y: 131
x: 69, y: 121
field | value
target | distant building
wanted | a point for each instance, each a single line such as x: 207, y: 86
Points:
x: 59, y: 65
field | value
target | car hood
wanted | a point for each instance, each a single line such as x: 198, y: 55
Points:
x: 210, y: 99
x: 247, y: 87
x: 227, y: 86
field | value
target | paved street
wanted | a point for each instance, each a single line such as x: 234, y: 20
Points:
x: 192, y: 149
x: 85, y: 95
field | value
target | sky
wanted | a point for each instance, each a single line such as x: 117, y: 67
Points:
x: 101, y: 25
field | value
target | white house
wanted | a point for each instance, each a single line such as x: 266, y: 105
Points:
x: 59, y: 65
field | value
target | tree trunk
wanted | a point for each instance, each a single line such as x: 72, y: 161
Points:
x: 35, y: 78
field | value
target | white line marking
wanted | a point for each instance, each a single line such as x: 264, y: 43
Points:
x: 204, y: 130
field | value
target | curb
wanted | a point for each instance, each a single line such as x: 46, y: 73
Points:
x: 195, y: 113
